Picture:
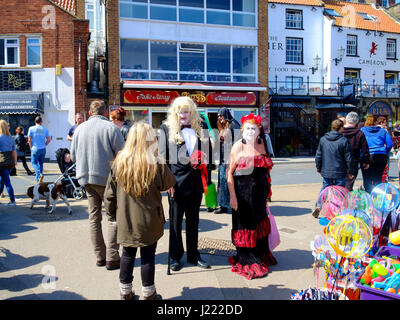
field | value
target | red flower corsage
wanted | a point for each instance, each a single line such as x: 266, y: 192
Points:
x: 251, y: 116
x: 198, y: 160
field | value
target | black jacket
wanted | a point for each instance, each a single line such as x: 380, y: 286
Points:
x: 358, y: 144
x: 20, y: 143
x: 334, y: 158
x: 188, y: 180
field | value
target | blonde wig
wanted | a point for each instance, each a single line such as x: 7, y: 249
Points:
x: 4, y: 128
x: 135, y: 166
x: 173, y: 124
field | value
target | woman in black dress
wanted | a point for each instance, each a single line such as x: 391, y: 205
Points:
x: 22, y: 145
x: 249, y: 188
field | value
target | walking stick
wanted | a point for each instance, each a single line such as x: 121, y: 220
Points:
x: 169, y: 238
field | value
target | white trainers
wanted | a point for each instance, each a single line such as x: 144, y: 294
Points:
x: 11, y: 204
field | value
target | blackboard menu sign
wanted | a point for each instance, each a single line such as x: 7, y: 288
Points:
x: 15, y: 80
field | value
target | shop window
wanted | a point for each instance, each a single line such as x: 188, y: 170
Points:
x: 33, y: 54
x: 134, y: 54
x: 133, y: 9
x: 163, y: 10
x: 243, y: 60
x: 218, y: 58
x: 9, y: 52
x: 244, y: 13
x: 294, y: 82
x: 218, y: 12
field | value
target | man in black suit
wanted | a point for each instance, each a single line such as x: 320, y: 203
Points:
x: 179, y: 142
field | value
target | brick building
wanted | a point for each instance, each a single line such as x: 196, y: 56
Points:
x: 43, y: 65
x: 215, y: 52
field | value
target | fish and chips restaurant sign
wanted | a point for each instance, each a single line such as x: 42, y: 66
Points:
x: 379, y: 108
x: 155, y: 97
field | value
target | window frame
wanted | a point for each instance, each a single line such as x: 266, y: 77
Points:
x: 294, y: 21
x: 356, y: 45
x: 34, y: 45
x: 6, y: 64
x: 394, y: 41
x: 302, y: 51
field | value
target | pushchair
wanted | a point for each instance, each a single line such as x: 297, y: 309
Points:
x: 70, y: 185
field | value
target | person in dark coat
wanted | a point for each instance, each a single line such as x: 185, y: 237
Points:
x: 334, y: 158
x: 179, y: 143
x: 358, y: 144
x: 229, y: 133
x: 21, y: 147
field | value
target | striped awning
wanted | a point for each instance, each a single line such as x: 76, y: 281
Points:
x: 21, y: 102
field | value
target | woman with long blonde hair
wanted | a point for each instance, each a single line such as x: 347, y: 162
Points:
x: 132, y: 198
x: 7, y: 145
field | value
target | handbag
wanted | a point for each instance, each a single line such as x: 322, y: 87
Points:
x: 274, y: 238
x: 210, y: 198
x: 6, y: 160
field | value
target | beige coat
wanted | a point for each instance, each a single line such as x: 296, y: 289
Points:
x: 140, y: 221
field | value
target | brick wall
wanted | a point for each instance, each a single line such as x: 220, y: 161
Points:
x: 113, y: 52
x: 59, y: 31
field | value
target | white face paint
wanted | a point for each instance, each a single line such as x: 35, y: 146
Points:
x: 250, y: 132
x: 184, y: 117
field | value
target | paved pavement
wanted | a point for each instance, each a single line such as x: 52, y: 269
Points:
x: 50, y: 256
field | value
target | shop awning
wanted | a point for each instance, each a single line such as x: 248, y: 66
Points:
x: 21, y: 102
x: 335, y: 106
x: 177, y: 85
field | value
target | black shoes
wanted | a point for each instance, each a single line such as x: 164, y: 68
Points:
x: 210, y: 209
x: 200, y: 263
x: 101, y: 263
x: 175, y: 265
x: 30, y: 173
x: 112, y: 265
x: 221, y: 210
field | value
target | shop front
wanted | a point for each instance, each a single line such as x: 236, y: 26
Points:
x: 21, y: 108
x: 150, y: 102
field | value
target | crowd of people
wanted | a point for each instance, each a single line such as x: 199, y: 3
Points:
x: 352, y: 145
x: 125, y: 168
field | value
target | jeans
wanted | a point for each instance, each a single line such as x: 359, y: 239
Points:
x: 103, y: 248
x: 147, y: 261
x: 373, y: 175
x: 333, y: 182
x: 37, y: 159
x: 5, y: 180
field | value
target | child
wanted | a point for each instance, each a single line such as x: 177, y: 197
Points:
x: 132, y: 198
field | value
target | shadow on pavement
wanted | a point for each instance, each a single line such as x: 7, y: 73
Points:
x: 292, y: 259
x: 280, y: 211
x: 272, y: 292
x: 22, y: 282
x: 55, y: 295
x: 204, y: 225
x: 16, y: 261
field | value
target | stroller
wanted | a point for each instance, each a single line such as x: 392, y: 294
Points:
x: 71, y: 186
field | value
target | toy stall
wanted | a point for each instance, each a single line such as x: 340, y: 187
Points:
x: 357, y: 256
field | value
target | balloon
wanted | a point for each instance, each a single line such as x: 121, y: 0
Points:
x: 359, y: 200
x: 377, y: 219
x: 359, y: 214
x: 385, y: 197
x: 349, y: 236
x: 320, y: 245
x: 331, y: 201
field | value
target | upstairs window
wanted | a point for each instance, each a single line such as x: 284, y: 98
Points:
x: 294, y: 50
x: 351, y: 47
x: 391, y: 49
x: 9, y: 52
x: 33, y: 52
x: 294, y: 19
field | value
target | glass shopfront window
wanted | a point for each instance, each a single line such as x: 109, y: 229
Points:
x: 192, y: 61
x: 164, y: 58
x: 220, y: 12
x: 133, y: 9
x: 134, y: 59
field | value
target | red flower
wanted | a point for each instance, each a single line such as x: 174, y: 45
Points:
x: 251, y: 116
